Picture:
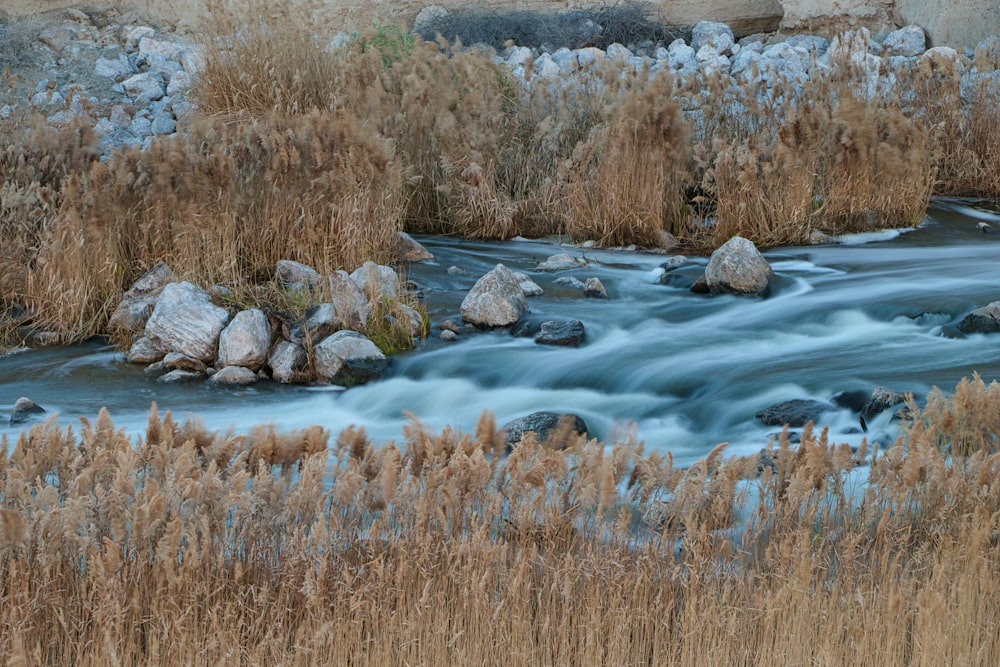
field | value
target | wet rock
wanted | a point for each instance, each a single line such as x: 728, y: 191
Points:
x: 594, y: 289
x: 737, y: 267
x: 561, y: 262
x: 984, y: 228
x: 24, y: 409
x: 234, y: 376
x: 289, y: 363
x: 449, y: 325
x: 496, y: 300
x: 155, y: 369
x: 797, y: 412
x: 143, y: 351
x: 448, y: 336
x: 350, y: 305
x: 175, y: 361
x: 296, y: 276
x: 982, y: 320
x: 566, y: 333
x: 377, y: 282
x: 542, y: 424
x: 852, y: 400
x: 185, y: 320
x: 348, y: 358
x: 571, y: 282
x: 410, y: 250
x: 700, y: 285
x: 674, y: 263
x: 138, y: 302
x: 179, y: 376
x: 245, y: 340
x: 528, y: 286
x: 880, y: 400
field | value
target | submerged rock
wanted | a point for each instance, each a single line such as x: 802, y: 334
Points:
x: 496, y: 300
x: 542, y: 424
x: 179, y: 376
x: 566, y: 333
x: 561, y: 262
x: 24, y: 408
x: 797, y: 412
x: 348, y: 358
x: 594, y: 289
x: 982, y: 320
x: 738, y: 267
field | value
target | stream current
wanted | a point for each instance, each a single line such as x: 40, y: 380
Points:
x: 685, y: 371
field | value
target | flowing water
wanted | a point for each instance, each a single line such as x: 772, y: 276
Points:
x: 685, y: 371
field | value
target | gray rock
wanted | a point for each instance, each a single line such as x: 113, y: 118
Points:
x: 812, y: 44
x: 289, y: 363
x: 571, y: 282
x: 984, y: 227
x: 795, y: 413
x: 234, y: 376
x: 786, y: 60
x: 180, y: 82
x: 113, y: 63
x: 378, y: 282
x: 144, y: 88
x: 594, y: 289
x: 143, y: 351
x: 185, y: 320
x: 617, y: 53
x: 982, y: 320
x: 141, y: 127
x: 528, y: 286
x: 561, y: 262
x: 163, y: 123
x: 496, y: 300
x: 448, y: 336
x: 170, y: 49
x: 138, y: 302
x: 23, y: 410
x: 321, y: 321
x: 348, y: 358
x: 565, y: 333
x: 542, y: 424
x: 175, y: 361
x: 296, y: 276
x: 245, y: 340
x: 683, y: 59
x: 710, y: 60
x: 700, y: 286
x: 718, y: 35
x: 881, y: 399
x: 738, y: 267
x: 410, y: 250
x: 179, y: 376
x: 349, y: 303
x: 907, y: 41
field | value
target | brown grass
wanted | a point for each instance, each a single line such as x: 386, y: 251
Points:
x: 192, y: 547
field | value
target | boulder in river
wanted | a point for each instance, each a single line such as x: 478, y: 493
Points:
x: 138, y: 302
x: 561, y: 262
x: 496, y: 300
x: 543, y: 425
x: 245, y: 340
x: 594, y: 289
x: 175, y: 361
x: 185, y: 321
x: 982, y: 320
x: 528, y: 286
x: 737, y: 267
x: 567, y: 333
x: 233, y: 376
x: 23, y: 410
x: 410, y: 250
x: 881, y: 399
x: 348, y: 358
x: 796, y: 412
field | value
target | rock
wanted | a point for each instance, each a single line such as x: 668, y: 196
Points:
x: 138, y: 302
x: 449, y: 325
x: 709, y: 33
x: 296, y: 276
x: 617, y: 53
x: 566, y: 333
x: 349, y: 303
x: 409, y: 250
x: 982, y: 320
x: 234, y: 376
x: 377, y: 282
x: 184, y: 320
x: 561, y: 262
x: 700, y: 286
x: 665, y: 240
x: 674, y: 263
x: 245, y: 340
x: 154, y: 370
x: 179, y: 376
x: 162, y: 123
x: 159, y: 45
x: 175, y: 361
x: 738, y: 268
x: 348, y: 358
x: 528, y: 286
x: 448, y: 336
x: 428, y: 19
x: 880, y: 400
x: 942, y: 58
x: 907, y: 41
x: 113, y: 63
x: 289, y: 363
x: 984, y: 227
x: 413, y: 319
x: 852, y: 400
x: 143, y: 351
x: 795, y: 413
x: 144, y: 88
x: 496, y: 300
x: 683, y: 59
x: 542, y: 424
x: 23, y: 410
x: 594, y: 289
x: 571, y: 282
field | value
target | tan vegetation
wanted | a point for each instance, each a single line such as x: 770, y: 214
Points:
x: 191, y: 547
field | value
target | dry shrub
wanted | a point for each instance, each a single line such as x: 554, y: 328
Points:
x: 186, y: 546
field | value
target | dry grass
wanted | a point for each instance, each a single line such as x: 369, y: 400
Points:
x: 191, y: 547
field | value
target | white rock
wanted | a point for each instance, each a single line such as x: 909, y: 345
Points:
x: 171, y: 49
x: 348, y: 358
x: 185, y: 321
x: 528, y: 286
x: 738, y: 267
x: 496, y: 300
x: 618, y: 54
x: 245, y: 340
x: 289, y: 363
x: 144, y: 88
x: 233, y: 376
x: 350, y: 305
x: 138, y: 302
x: 377, y: 281
x: 907, y: 41
x: 719, y: 35
x: 561, y: 262
x: 683, y: 58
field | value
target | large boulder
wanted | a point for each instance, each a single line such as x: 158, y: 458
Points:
x: 348, y: 358
x: 138, y: 302
x: 542, y: 424
x: 289, y: 363
x: 982, y: 320
x: 738, y: 267
x: 186, y: 321
x: 797, y: 412
x: 244, y: 342
x: 496, y: 300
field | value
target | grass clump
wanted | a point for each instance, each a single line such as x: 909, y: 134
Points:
x: 184, y: 545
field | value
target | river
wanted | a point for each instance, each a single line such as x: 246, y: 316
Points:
x: 685, y: 371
